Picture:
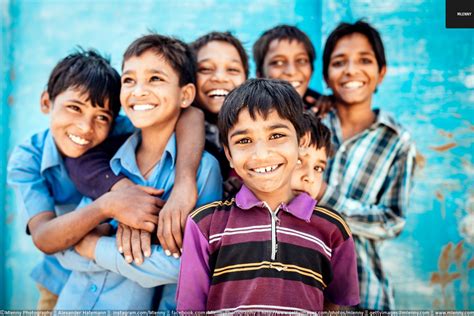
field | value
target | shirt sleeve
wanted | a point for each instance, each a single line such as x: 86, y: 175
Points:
x: 344, y: 287
x: 194, y: 276
x: 387, y: 218
x: 71, y: 260
x: 31, y: 188
x: 209, y: 181
x: 91, y: 172
x: 158, y: 269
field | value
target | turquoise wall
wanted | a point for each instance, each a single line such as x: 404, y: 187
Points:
x: 429, y: 88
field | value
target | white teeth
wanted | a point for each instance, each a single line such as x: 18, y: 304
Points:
x: 143, y: 107
x: 218, y: 93
x: 295, y: 84
x: 78, y: 140
x: 265, y: 169
x: 353, y: 84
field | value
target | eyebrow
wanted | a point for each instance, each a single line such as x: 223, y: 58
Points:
x: 210, y: 59
x: 79, y: 102
x: 361, y: 53
x: 268, y: 128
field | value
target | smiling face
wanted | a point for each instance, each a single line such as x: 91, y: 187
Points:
x: 288, y: 60
x: 264, y: 153
x: 353, y: 72
x: 75, y: 124
x: 308, y: 174
x: 151, y: 95
x: 220, y: 70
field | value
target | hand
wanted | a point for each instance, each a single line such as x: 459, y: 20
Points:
x: 132, y: 243
x: 231, y: 186
x: 136, y: 206
x: 172, y: 218
x: 322, y: 105
x: 86, y: 247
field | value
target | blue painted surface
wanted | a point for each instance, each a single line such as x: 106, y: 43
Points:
x: 429, y: 87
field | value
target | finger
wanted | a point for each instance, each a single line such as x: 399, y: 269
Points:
x: 310, y: 99
x: 159, y: 202
x: 177, y: 231
x: 118, y: 238
x: 145, y: 239
x: 183, y: 224
x: 168, y: 235
x: 127, y: 251
x: 136, y: 246
x: 151, y: 190
x: 161, y: 238
x: 149, y: 225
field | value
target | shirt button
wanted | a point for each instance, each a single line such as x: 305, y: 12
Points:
x: 93, y: 288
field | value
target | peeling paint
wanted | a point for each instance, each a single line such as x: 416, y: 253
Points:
x: 443, y: 148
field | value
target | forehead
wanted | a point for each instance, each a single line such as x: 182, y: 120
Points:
x: 353, y: 43
x: 259, y: 122
x: 148, y: 61
x: 218, y: 50
x: 286, y: 47
x: 79, y: 95
x: 312, y: 154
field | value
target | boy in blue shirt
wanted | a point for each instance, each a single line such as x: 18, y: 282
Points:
x: 82, y: 99
x: 158, y: 81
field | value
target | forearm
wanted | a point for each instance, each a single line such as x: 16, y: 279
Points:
x: 52, y: 234
x: 71, y: 260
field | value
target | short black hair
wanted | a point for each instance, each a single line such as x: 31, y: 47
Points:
x: 261, y: 96
x: 280, y: 32
x: 226, y: 37
x: 345, y: 29
x: 175, y: 52
x: 90, y: 72
x: 320, y: 135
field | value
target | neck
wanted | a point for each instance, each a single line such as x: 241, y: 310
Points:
x: 354, y: 118
x: 150, y: 150
x: 274, y: 199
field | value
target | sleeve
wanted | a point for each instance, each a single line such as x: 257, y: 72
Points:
x: 194, y: 276
x: 158, y: 269
x: 31, y: 188
x: 387, y: 218
x: 71, y: 260
x: 344, y: 287
x: 91, y: 172
x: 209, y: 181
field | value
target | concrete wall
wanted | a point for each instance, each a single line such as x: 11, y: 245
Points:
x: 429, y: 87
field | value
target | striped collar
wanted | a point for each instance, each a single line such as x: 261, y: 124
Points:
x: 301, y: 206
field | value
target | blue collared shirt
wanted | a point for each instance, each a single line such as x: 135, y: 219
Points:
x: 37, y: 173
x: 109, y: 282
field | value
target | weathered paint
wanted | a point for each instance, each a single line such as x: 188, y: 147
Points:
x: 429, y: 88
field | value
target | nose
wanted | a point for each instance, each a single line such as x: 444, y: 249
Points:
x: 139, y: 91
x: 85, y: 125
x: 351, y: 68
x: 290, y: 69
x: 261, y: 149
x: 219, y: 75
x: 308, y: 176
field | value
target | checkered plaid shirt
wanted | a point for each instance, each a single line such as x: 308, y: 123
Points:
x: 369, y: 179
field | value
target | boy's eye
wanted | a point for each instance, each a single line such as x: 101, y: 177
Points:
x: 204, y: 70
x: 243, y: 141
x: 337, y: 63
x: 277, y: 63
x: 127, y: 80
x: 319, y: 169
x: 103, y: 118
x: 366, y: 61
x: 74, y: 108
x: 155, y: 78
x: 302, y: 61
x: 276, y: 136
x: 234, y: 70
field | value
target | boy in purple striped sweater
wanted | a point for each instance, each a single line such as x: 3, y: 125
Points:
x: 268, y: 249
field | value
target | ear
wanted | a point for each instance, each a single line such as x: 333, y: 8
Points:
x: 45, y: 102
x: 305, y: 140
x: 382, y: 73
x: 228, y: 156
x: 188, y: 92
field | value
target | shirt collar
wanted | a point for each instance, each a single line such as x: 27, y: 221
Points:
x: 125, y: 156
x: 301, y: 206
x: 51, y: 156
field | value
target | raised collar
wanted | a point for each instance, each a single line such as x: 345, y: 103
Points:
x: 51, y: 156
x: 301, y: 206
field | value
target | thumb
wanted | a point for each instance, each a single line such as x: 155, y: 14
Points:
x: 151, y: 190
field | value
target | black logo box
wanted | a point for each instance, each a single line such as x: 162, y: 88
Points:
x: 459, y: 14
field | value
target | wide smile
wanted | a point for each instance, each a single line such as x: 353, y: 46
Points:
x: 78, y: 140
x: 217, y: 93
x: 267, y: 169
x: 143, y: 107
x: 353, y: 85
x: 296, y: 84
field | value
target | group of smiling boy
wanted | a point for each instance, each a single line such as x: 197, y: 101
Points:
x: 98, y: 191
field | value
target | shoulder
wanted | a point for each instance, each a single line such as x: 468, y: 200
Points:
x: 333, y: 218
x: 401, y: 135
x: 208, y: 166
x: 209, y: 209
x: 29, y: 151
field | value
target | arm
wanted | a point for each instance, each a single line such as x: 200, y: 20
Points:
x: 183, y: 196
x: 387, y: 218
x: 194, y: 276
x: 344, y: 287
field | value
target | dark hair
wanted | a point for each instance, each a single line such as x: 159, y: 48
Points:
x: 320, y: 135
x: 261, y: 96
x: 90, y: 72
x: 280, y: 32
x: 226, y: 37
x: 345, y: 29
x: 175, y: 52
